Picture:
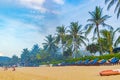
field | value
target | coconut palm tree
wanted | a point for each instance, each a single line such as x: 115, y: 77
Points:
x: 110, y: 39
x: 50, y: 45
x: 77, y: 37
x: 111, y: 3
x: 96, y: 20
x: 61, y: 37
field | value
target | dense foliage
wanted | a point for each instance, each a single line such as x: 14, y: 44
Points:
x: 67, y: 43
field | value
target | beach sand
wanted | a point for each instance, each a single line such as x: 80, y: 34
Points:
x: 58, y: 73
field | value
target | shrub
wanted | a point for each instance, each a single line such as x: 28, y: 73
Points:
x: 107, y: 56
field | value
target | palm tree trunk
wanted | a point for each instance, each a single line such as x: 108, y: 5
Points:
x: 61, y: 45
x: 99, y: 41
x: 110, y: 44
x: 62, y: 49
x: 111, y: 49
x: 74, y: 47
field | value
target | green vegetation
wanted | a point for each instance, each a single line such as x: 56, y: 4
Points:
x: 77, y: 37
x: 95, y: 22
x: 106, y: 57
x: 66, y: 45
x: 109, y: 38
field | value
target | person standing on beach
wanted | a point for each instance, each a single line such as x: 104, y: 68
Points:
x: 13, y: 68
x: 5, y: 68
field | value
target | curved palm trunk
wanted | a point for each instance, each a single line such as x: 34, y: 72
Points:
x: 99, y: 42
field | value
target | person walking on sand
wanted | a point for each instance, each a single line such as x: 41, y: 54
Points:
x: 5, y: 68
x: 13, y: 68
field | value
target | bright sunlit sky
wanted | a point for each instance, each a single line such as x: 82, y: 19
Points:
x: 24, y: 23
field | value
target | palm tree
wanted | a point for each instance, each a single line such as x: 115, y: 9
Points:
x: 110, y: 38
x: 92, y: 48
x: 111, y: 3
x: 25, y: 57
x: 95, y: 22
x: 50, y: 45
x: 77, y: 37
x: 61, y: 37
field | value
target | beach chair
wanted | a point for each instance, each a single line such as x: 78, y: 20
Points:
x: 56, y: 64
x: 63, y: 64
x: 94, y: 62
x: 79, y: 62
x: 73, y: 63
x: 70, y: 63
x: 86, y: 62
x: 103, y: 61
x: 113, y: 61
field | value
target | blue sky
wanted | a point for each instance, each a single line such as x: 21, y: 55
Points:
x: 24, y: 23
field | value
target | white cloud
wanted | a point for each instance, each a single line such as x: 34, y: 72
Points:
x: 16, y: 35
x: 61, y: 2
x: 34, y: 4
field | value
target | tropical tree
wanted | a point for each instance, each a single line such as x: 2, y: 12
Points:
x: 43, y: 56
x: 110, y: 39
x: 68, y: 52
x: 111, y: 3
x: 33, y: 59
x: 93, y: 48
x: 61, y: 37
x: 34, y: 52
x: 96, y: 20
x: 50, y: 45
x: 25, y: 57
x: 76, y: 33
x: 14, y: 60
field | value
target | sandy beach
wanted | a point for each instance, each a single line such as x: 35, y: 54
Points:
x: 58, y: 73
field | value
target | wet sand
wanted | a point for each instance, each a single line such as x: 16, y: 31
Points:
x: 58, y: 73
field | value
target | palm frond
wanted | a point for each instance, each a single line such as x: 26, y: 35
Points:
x: 106, y: 1
x: 118, y: 13
x: 104, y: 33
x: 117, y: 42
x: 117, y: 30
x: 105, y: 17
x: 84, y: 38
x: 90, y: 20
x: 111, y: 4
x: 89, y: 29
x: 107, y: 25
x: 117, y: 7
x: 57, y: 39
x: 83, y: 42
x: 92, y: 14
